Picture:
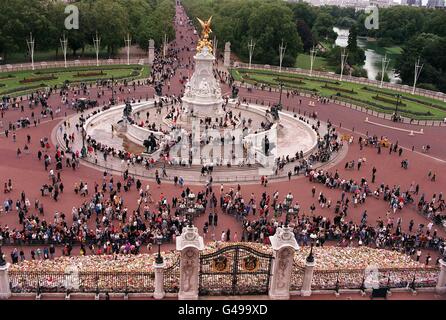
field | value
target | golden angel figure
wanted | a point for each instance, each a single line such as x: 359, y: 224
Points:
x: 206, y: 30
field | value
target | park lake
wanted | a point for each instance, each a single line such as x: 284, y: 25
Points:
x: 373, y: 53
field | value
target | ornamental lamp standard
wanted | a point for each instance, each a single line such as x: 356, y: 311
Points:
x: 289, y: 213
x: 191, y: 214
x: 310, y: 257
x: 159, y: 241
x: 289, y: 199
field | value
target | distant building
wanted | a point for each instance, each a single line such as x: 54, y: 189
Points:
x: 381, y: 3
x: 357, y: 4
x: 435, y: 3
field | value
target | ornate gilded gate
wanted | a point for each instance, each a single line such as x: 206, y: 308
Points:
x: 235, y: 270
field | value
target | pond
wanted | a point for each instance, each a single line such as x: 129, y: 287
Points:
x: 373, y: 55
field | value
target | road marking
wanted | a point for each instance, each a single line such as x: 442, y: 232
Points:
x: 411, y: 132
x: 410, y: 149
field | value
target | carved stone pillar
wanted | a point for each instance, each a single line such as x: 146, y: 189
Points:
x: 441, y: 284
x: 308, y: 277
x: 151, y: 51
x: 227, y: 56
x: 190, y: 243
x: 159, y: 280
x: 284, y: 245
x: 5, y: 291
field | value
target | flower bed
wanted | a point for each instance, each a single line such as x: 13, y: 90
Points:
x: 367, y: 104
x: 289, y: 80
x: 9, y: 76
x: 89, y: 74
x: 36, y: 79
x: 335, y: 266
x: 27, y: 88
x: 351, y: 91
x: 425, y: 103
x: 390, y: 101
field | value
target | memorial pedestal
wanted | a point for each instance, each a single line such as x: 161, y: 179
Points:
x: 159, y: 281
x: 441, y: 284
x: 190, y: 243
x: 5, y: 291
x: 284, y: 245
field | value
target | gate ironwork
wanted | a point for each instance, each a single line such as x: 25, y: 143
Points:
x: 235, y: 270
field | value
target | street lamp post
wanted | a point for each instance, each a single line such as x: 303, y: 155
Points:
x: 83, y: 136
x: 113, y: 90
x: 159, y: 258
x: 398, y: 97
x: 280, y: 96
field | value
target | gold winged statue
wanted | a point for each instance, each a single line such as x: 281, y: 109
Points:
x: 206, y: 30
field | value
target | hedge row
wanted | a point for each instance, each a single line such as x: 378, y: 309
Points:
x: 289, y: 75
x: 291, y: 85
x: 133, y: 74
x: 351, y: 91
x: 43, y: 78
x: 289, y: 80
x: 379, y: 106
x: 390, y: 101
x: 89, y: 74
x: 18, y: 89
x: 425, y: 103
x: 9, y: 76
x: 88, y: 68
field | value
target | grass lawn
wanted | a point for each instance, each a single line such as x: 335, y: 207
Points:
x: 10, y: 82
x: 303, y: 61
x: 382, y: 100
x: 393, y: 50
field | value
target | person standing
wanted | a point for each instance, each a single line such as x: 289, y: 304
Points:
x: 418, y: 254
x: 52, y: 251
x: 215, y: 219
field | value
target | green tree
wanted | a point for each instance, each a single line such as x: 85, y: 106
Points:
x: 428, y: 47
x: 356, y: 55
x: 323, y: 27
x: 112, y: 24
x: 385, y: 79
x: 305, y: 34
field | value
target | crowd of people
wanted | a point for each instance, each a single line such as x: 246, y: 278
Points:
x: 104, y: 224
